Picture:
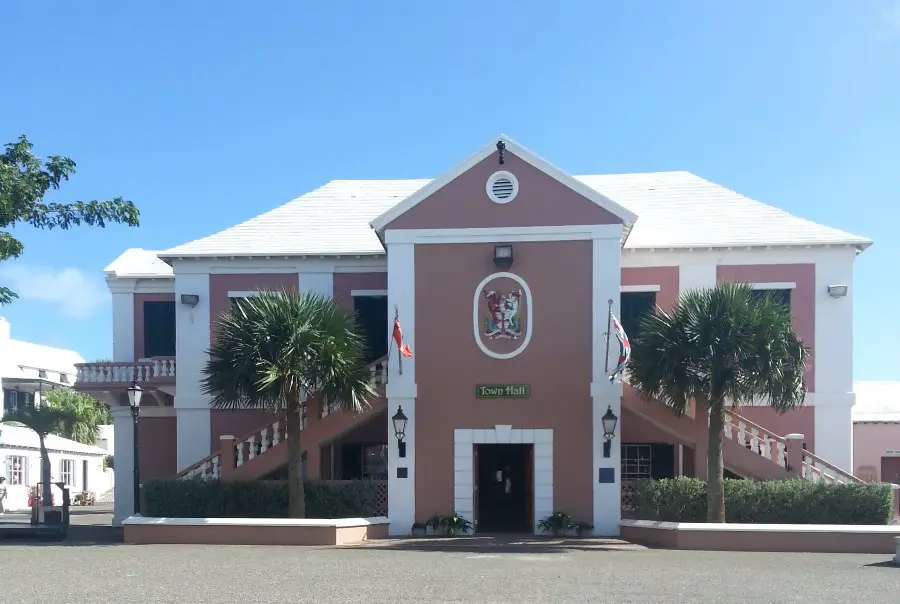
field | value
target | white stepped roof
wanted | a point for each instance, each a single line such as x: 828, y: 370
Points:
x: 15, y: 437
x: 138, y: 263
x: 674, y: 209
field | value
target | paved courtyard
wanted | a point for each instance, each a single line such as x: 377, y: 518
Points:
x: 423, y: 573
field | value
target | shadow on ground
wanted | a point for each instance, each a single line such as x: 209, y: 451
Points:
x: 78, y: 536
x: 499, y: 545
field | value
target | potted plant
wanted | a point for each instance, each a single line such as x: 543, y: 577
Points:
x: 454, y: 524
x: 556, y: 524
x: 419, y: 529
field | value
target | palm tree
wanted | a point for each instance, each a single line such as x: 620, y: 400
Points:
x: 274, y: 349
x: 723, y: 346
x: 86, y: 415
x: 43, y: 420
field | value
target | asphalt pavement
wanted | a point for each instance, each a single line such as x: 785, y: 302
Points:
x: 412, y: 572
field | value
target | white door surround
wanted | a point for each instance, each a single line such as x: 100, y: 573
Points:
x: 463, y: 476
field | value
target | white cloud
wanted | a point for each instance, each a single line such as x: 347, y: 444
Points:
x: 69, y: 289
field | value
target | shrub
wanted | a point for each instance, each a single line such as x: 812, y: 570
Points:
x: 766, y: 502
x: 201, y: 498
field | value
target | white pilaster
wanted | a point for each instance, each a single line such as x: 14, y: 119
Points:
x: 123, y: 452
x: 607, y: 277
x: 401, y: 388
x: 833, y: 358
x: 122, y: 320
x: 321, y: 283
x: 192, y: 326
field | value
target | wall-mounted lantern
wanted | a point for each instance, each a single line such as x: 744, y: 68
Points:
x: 609, y: 420
x: 503, y: 256
x: 837, y: 291
x: 190, y: 299
x: 399, y: 420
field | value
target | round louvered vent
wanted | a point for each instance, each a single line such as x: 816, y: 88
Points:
x: 502, y: 187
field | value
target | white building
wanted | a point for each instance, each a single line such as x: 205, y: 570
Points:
x: 27, y: 369
x: 78, y: 466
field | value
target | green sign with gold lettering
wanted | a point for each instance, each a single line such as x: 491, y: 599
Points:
x: 503, y: 391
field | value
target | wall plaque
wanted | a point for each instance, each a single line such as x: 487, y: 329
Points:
x: 503, y: 391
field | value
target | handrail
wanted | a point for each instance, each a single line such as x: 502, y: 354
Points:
x: 816, y: 459
x: 757, y: 426
x: 252, y: 433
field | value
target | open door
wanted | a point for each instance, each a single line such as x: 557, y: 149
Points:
x: 529, y: 485
x: 475, y: 481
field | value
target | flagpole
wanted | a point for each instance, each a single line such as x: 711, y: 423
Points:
x: 608, y: 327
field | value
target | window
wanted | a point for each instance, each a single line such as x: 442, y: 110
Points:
x: 633, y: 306
x: 372, y: 320
x: 159, y: 329
x: 636, y: 461
x: 16, y: 469
x: 374, y: 462
x: 64, y: 378
x: 42, y: 374
x: 780, y: 295
x: 67, y: 472
x: 13, y: 400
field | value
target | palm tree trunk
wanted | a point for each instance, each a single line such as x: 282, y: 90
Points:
x: 47, y: 494
x: 296, y: 495
x: 715, y: 464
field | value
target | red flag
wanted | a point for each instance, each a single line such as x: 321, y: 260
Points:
x: 398, y: 337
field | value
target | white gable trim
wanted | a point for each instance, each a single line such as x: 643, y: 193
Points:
x: 774, y: 285
x: 522, y: 153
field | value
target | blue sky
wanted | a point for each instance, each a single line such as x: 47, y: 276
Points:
x: 208, y: 113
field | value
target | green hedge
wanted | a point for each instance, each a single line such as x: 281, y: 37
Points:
x: 766, y: 502
x: 199, y: 498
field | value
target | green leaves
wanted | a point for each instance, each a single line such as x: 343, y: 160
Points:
x: 83, y: 415
x: 25, y: 181
x: 268, y: 349
x: 766, y: 502
x: 720, y: 344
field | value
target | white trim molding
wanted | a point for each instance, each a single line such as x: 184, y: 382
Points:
x: 245, y: 294
x: 463, y: 465
x: 505, y: 234
x: 628, y: 289
x: 522, y: 153
x: 774, y: 285
x: 368, y: 292
x: 476, y: 316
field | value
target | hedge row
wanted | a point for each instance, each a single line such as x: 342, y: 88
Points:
x: 766, y: 502
x: 200, y: 498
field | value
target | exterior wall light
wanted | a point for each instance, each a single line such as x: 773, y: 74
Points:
x: 503, y: 256
x: 609, y: 420
x: 837, y: 291
x: 190, y: 299
x: 399, y: 420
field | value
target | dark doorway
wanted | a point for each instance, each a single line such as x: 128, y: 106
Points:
x: 505, y: 488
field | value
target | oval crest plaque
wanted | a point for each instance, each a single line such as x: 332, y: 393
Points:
x: 501, y: 315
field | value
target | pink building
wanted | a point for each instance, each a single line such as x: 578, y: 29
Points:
x: 876, y: 432
x: 501, y: 271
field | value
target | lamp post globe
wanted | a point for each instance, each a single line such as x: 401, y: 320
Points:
x: 399, y: 420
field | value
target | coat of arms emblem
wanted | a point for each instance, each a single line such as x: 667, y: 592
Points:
x: 503, y: 321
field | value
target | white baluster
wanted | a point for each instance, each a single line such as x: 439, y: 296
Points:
x: 742, y: 433
x: 728, y: 427
x: 251, y: 447
x: 767, y: 446
x: 215, y: 467
x: 240, y: 454
x: 264, y: 440
x: 754, y: 440
x: 808, y: 470
x: 781, y: 454
x: 276, y: 434
x: 170, y: 367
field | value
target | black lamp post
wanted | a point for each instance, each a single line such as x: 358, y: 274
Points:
x: 134, y: 401
x: 399, y: 420
x: 609, y: 420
